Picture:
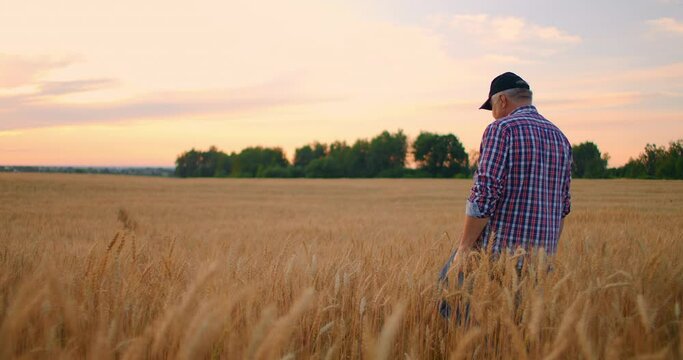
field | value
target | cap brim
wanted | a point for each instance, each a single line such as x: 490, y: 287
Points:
x: 486, y: 105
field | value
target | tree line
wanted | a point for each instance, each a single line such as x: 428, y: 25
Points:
x: 655, y: 162
x: 387, y: 154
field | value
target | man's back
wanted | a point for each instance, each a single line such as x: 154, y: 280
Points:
x: 522, y: 182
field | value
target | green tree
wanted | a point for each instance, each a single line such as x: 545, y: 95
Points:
x: 655, y: 162
x: 208, y: 162
x: 195, y: 163
x: 359, y: 159
x: 341, y: 160
x: 224, y: 165
x: 253, y: 161
x: 307, y: 153
x: 440, y: 155
x: 651, y: 157
x: 387, y: 153
x: 303, y: 156
x: 587, y: 161
x: 325, y: 168
x: 187, y: 164
x: 671, y: 166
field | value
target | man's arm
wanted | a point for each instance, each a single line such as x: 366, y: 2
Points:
x: 489, y: 182
x: 471, y: 232
x: 566, y: 194
x: 473, y: 228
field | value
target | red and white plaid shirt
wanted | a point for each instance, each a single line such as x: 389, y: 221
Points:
x: 522, y: 182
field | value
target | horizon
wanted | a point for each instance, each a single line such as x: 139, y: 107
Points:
x: 288, y: 156
x: 100, y: 85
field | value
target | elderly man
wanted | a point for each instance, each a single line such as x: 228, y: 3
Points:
x: 521, y: 187
x: 520, y: 194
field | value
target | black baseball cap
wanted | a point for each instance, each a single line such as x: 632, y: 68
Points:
x: 502, y: 82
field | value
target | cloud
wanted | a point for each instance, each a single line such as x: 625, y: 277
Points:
x: 316, y: 50
x: 510, y: 30
x: 45, y: 92
x: 20, y: 70
x: 28, y: 103
x: 656, y: 78
x: 333, y: 47
x: 492, y: 38
x: 76, y: 86
x: 35, y: 110
x: 666, y: 25
x: 592, y: 100
x: 589, y: 105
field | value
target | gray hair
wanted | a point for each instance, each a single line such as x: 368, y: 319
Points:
x: 516, y: 95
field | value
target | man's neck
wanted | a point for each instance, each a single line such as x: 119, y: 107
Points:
x: 519, y: 106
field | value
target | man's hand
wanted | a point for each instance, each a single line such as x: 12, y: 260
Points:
x: 473, y: 228
x: 458, y: 264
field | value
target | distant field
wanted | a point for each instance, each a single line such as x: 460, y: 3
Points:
x: 103, y: 266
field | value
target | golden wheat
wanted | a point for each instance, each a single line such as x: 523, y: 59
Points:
x: 115, y: 267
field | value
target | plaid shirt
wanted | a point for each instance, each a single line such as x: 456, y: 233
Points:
x: 522, y: 182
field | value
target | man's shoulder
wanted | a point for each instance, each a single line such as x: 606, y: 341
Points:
x: 518, y: 121
x: 520, y: 115
x: 504, y: 124
x: 524, y: 117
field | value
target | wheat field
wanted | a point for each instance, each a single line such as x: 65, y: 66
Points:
x: 116, y: 267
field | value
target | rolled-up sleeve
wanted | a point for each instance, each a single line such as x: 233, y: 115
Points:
x: 491, y: 174
x: 566, y: 194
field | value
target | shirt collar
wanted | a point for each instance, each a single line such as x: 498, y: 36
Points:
x: 524, y: 109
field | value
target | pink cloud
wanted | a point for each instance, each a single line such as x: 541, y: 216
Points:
x: 510, y: 29
x: 666, y: 25
x: 18, y: 70
x: 38, y: 110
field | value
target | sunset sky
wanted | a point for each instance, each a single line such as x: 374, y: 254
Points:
x: 135, y: 83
